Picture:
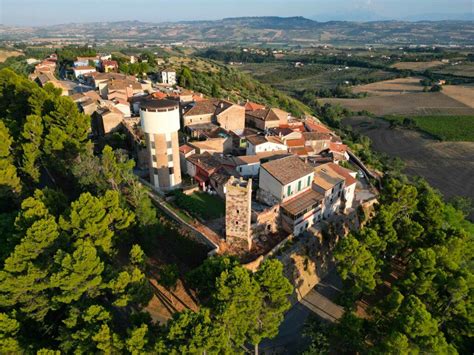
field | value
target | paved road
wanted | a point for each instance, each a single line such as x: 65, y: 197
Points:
x: 319, y: 302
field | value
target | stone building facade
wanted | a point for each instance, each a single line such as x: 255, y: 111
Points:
x: 238, y: 214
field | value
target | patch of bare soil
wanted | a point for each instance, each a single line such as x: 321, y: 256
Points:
x: 447, y: 166
x: 417, y: 65
x: 391, y: 87
x: 461, y: 93
x: 415, y: 104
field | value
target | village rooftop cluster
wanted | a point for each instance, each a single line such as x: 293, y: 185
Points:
x: 278, y: 174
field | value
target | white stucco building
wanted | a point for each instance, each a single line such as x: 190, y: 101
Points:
x: 289, y: 181
x: 168, y: 77
x: 259, y: 144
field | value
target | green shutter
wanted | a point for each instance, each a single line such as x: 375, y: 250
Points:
x: 288, y: 193
x: 299, y: 185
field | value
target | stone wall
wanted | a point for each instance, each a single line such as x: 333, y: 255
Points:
x: 238, y: 213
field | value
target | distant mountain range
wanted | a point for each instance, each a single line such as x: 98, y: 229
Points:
x: 255, y: 30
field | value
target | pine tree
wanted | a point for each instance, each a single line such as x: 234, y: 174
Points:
x: 96, y: 219
x: 275, y: 290
x: 9, y: 328
x: 10, y: 184
x: 237, y: 304
x: 31, y: 146
x: 79, y: 273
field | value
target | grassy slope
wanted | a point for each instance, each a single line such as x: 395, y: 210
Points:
x: 235, y: 85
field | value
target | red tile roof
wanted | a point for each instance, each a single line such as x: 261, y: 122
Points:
x: 295, y: 142
x: 251, y: 106
x: 340, y: 148
x: 313, y: 126
x: 159, y: 95
x: 185, y: 149
x: 345, y: 173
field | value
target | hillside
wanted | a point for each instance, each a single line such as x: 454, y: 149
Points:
x: 217, y: 80
x: 256, y: 30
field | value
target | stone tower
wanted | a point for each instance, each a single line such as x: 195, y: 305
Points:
x: 238, y: 213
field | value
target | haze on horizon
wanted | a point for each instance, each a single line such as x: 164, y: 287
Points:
x: 50, y: 12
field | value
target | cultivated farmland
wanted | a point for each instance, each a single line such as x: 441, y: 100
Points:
x: 412, y: 104
x: 448, y: 166
x: 417, y: 65
x: 446, y: 128
x: 6, y: 54
x: 397, y: 86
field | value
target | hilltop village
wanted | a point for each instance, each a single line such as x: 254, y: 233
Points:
x: 277, y: 175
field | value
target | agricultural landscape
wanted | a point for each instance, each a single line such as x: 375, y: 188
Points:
x: 390, y: 98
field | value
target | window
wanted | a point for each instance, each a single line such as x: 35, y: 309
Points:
x: 171, y: 170
x: 168, y: 144
x: 238, y: 211
x: 170, y: 157
x: 155, y: 171
x: 288, y: 192
x: 153, y: 157
x: 309, y: 180
x: 299, y: 185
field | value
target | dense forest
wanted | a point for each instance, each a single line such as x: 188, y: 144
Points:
x: 73, y: 274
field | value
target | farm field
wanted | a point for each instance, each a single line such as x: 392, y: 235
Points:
x: 446, y: 128
x: 412, y: 104
x: 417, y: 65
x: 397, y: 86
x: 284, y: 76
x: 464, y: 69
x: 461, y: 93
x: 437, y: 162
x: 6, y: 54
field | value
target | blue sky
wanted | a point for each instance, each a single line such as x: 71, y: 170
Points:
x: 43, y: 12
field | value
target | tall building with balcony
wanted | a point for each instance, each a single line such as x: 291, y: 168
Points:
x: 160, y: 122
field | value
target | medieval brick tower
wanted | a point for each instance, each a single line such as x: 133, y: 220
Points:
x: 238, y: 214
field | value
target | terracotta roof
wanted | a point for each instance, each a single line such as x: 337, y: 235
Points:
x: 212, y: 144
x: 313, y: 126
x: 205, y: 161
x: 295, y: 142
x: 110, y: 63
x: 159, y: 95
x: 114, y: 76
x: 223, y: 174
x: 326, y: 178
x: 302, y: 152
x: 316, y: 136
x: 92, y: 94
x: 343, y: 172
x: 266, y: 114
x: 185, y: 149
x: 223, y: 105
x: 337, y: 147
x: 257, y: 139
x: 252, y: 159
x: 124, y: 84
x: 206, y: 107
x: 287, y: 169
x: 252, y: 106
x: 303, y: 201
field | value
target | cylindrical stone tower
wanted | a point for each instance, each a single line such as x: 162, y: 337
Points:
x: 160, y: 123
